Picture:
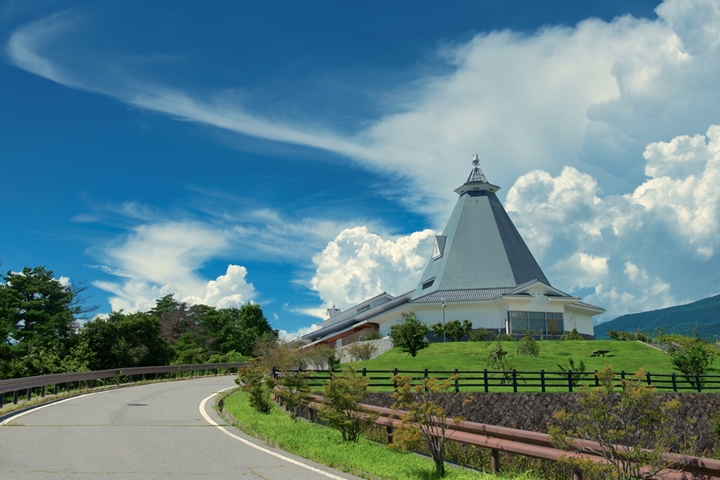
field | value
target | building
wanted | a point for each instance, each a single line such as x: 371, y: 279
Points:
x: 479, y: 270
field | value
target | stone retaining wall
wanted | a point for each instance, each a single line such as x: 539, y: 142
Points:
x: 533, y: 411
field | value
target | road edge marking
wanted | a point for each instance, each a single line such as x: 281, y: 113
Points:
x: 258, y: 447
x: 40, y: 407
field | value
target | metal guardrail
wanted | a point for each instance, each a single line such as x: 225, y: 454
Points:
x: 90, y: 379
x: 531, y: 444
x: 520, y: 381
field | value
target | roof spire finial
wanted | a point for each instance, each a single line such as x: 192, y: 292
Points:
x: 476, y: 175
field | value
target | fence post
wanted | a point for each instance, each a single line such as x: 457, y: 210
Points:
x: 485, y: 380
x: 697, y: 382
x: 674, y: 382
x: 29, y: 394
x: 570, y: 381
x: 622, y: 377
x: 597, y: 379
x: 15, y: 397
x: 542, y: 380
x: 42, y: 391
x: 457, y: 381
x: 425, y: 378
x: 395, y: 372
x: 2, y: 399
x: 364, y: 372
x: 55, y: 389
x: 495, y: 461
x: 647, y: 375
x: 514, y: 376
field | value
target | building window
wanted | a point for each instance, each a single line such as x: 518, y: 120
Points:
x: 538, y: 322
x: 428, y: 284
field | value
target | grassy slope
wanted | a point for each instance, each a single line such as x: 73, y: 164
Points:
x: 628, y: 356
x: 324, y: 445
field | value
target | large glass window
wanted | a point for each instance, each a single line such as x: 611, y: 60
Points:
x: 538, y: 322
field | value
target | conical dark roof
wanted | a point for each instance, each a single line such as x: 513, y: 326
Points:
x: 480, y: 247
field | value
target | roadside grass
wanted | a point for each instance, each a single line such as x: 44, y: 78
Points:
x: 464, y: 356
x: 324, y: 445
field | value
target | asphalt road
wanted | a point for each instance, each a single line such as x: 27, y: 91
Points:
x: 148, y: 432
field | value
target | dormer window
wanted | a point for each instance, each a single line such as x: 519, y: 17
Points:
x: 439, y: 246
x: 428, y: 283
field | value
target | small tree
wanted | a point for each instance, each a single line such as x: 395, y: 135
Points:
x: 456, y: 330
x: 341, y: 409
x: 631, y: 429
x: 692, y: 359
x: 258, y: 384
x: 497, y: 360
x: 553, y: 327
x: 409, y: 334
x: 528, y: 345
x: 571, y: 367
x: 425, y: 422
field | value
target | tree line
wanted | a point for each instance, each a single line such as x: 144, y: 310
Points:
x: 45, y: 328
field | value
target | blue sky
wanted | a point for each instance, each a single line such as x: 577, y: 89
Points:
x: 300, y: 154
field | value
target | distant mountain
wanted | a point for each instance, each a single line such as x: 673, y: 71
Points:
x: 705, y: 314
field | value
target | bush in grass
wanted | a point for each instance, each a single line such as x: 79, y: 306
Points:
x: 479, y: 335
x: 341, y: 409
x: 614, y: 420
x: 321, y: 357
x: 258, y: 384
x: 497, y: 360
x: 577, y: 370
x: 294, y: 391
x: 572, y: 335
x: 362, y: 350
x: 528, y: 345
x: 504, y: 337
x: 409, y: 334
x: 692, y: 359
x: 426, y: 422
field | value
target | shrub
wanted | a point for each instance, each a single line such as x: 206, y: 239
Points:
x: 615, y: 420
x: 504, y: 337
x: 479, y: 335
x: 374, y: 335
x: 425, y: 422
x: 528, y: 345
x: 341, y: 409
x: 362, y: 350
x: 409, y: 334
x: 571, y: 367
x: 254, y: 380
x: 455, y: 330
x: 572, y: 335
x: 692, y: 359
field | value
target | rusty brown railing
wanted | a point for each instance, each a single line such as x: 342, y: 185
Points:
x: 531, y: 444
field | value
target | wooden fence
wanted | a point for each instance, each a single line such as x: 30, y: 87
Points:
x: 519, y: 381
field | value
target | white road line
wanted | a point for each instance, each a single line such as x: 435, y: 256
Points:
x: 257, y: 447
x: 7, y: 420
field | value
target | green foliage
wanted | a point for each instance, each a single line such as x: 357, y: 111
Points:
x: 321, y: 357
x: 632, y: 417
x: 528, y: 345
x: 571, y: 367
x: 692, y: 359
x: 639, y: 335
x: 497, y: 360
x: 504, y: 337
x: 479, y: 335
x: 374, y: 335
x: 572, y: 335
x: 409, y: 334
x: 361, y: 350
x: 258, y: 384
x: 425, y: 422
x: 454, y: 329
x: 341, y: 409
x: 294, y: 392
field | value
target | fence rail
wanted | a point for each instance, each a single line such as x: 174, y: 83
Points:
x: 532, y: 444
x: 519, y: 381
x: 116, y: 376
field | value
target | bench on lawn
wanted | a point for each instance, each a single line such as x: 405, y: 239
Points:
x: 599, y: 353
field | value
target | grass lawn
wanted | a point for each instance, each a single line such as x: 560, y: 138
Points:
x: 324, y: 445
x: 628, y: 356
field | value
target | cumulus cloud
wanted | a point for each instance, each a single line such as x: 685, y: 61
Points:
x: 358, y: 264
x: 159, y: 259
x: 647, y: 249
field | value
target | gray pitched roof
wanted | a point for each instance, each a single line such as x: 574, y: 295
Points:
x: 480, y: 247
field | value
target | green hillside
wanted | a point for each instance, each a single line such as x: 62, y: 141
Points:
x: 681, y: 319
x: 628, y: 356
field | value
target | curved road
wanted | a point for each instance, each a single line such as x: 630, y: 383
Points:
x: 148, y: 432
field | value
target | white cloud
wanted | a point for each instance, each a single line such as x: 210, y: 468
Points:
x: 647, y: 249
x: 160, y: 259
x: 357, y: 265
x: 285, y: 335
